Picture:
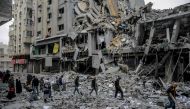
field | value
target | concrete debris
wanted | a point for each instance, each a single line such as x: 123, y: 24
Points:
x: 109, y: 35
x: 136, y: 96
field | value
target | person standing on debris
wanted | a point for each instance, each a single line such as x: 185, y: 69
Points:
x: 63, y: 84
x: 47, y: 90
x: 11, y: 92
x: 41, y: 83
x: 94, y: 86
x: 118, y: 88
x: 77, y: 85
x: 171, y: 91
x: 18, y: 86
x: 35, y: 84
x: 60, y: 83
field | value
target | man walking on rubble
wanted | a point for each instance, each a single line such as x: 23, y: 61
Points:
x: 171, y: 91
x: 35, y: 84
x: 118, y: 88
x: 47, y: 90
x: 94, y: 86
x: 77, y: 85
x: 18, y: 86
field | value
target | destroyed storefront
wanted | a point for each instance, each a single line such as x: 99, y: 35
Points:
x: 46, y: 55
x: 21, y: 63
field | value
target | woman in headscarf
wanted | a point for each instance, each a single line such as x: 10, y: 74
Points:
x: 18, y: 86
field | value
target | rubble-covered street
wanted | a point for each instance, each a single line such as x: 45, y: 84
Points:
x: 136, y: 95
x: 122, y: 47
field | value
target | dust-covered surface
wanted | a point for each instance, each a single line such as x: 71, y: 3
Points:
x: 135, y: 94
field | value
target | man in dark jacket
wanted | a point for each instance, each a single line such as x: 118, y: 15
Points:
x: 171, y: 91
x: 94, y: 86
x: 77, y: 85
x: 18, y: 86
x: 118, y: 88
x: 35, y: 84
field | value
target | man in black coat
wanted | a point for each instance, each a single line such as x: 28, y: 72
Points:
x: 18, y: 86
x: 94, y: 86
x: 77, y: 85
x: 118, y: 88
x: 35, y: 84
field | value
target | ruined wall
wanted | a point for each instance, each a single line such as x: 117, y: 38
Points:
x: 136, y: 4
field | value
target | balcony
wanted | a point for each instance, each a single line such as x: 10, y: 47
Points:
x: 27, y: 40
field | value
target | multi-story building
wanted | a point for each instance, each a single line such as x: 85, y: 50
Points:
x: 63, y: 32
x: 23, y: 32
x: 53, y: 21
x: 11, y: 40
x: 5, y: 60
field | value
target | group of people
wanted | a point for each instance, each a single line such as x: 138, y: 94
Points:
x: 94, y: 87
x: 4, y: 76
x: 45, y: 86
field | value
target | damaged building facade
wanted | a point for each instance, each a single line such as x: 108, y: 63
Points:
x: 20, y: 34
x: 70, y: 38
x: 86, y: 35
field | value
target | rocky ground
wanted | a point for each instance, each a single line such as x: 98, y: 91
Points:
x: 136, y: 95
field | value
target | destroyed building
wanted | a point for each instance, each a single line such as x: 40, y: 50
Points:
x: 94, y: 33
x: 68, y: 42
x: 5, y: 11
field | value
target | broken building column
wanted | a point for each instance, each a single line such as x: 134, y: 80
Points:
x: 168, y: 34
x: 175, y: 33
x: 139, y: 34
x: 108, y: 37
x: 60, y: 54
x: 169, y: 69
x: 180, y: 68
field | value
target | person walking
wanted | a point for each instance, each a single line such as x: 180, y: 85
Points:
x: 47, y: 90
x: 118, y: 88
x: 94, y: 86
x: 77, y: 85
x: 11, y: 91
x: 35, y: 84
x: 18, y: 86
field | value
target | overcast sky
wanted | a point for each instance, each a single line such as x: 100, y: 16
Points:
x: 158, y: 4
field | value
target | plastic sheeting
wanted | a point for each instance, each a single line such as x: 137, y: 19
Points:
x: 56, y: 48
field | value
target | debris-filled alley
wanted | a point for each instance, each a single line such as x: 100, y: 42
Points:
x: 108, y: 47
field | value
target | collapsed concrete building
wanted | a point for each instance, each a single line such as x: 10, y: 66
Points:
x: 5, y: 11
x: 128, y: 32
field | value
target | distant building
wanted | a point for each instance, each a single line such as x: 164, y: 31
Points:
x: 21, y: 34
x: 5, y: 60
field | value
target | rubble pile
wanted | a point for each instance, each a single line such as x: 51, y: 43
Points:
x: 137, y: 93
